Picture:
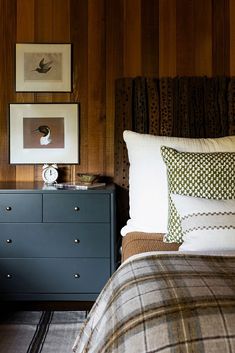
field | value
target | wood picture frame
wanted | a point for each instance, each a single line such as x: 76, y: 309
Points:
x: 44, y: 133
x: 43, y: 67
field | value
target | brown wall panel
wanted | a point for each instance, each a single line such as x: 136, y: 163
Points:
x: 96, y: 86
x: 114, y: 68
x: 7, y: 39
x: 43, y: 29
x: 202, y: 38
x: 150, y: 37
x: 110, y: 39
x: 167, y: 38
x: 232, y: 37
x: 79, y: 39
x: 61, y: 21
x: 25, y: 33
x: 220, y: 37
x: 61, y: 34
x: 185, y: 54
x: 132, y: 38
x: 43, y: 17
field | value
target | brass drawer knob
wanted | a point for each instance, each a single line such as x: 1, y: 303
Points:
x: 77, y: 241
x: 77, y: 275
x: 8, y: 208
x: 8, y: 276
x: 9, y: 241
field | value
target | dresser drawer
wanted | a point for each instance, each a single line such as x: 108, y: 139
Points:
x: 55, y: 240
x: 20, y: 208
x: 53, y: 275
x: 76, y: 208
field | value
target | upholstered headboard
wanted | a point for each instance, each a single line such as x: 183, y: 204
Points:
x: 180, y: 106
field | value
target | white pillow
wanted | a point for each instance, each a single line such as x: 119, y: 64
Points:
x: 206, y: 224
x: 148, y: 194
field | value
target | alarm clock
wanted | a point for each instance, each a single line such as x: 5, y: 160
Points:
x: 50, y: 173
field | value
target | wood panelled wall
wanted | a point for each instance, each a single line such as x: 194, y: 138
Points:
x: 111, y: 39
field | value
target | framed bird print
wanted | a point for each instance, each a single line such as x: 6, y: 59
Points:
x: 43, y: 67
x: 44, y: 133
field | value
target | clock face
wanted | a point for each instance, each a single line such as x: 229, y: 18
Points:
x: 50, y: 175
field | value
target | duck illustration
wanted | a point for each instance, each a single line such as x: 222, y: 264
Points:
x: 46, y: 131
x: 43, y: 68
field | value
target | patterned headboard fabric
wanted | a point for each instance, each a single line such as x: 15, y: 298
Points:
x: 179, y: 106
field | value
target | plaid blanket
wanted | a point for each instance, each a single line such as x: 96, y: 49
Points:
x: 164, y: 303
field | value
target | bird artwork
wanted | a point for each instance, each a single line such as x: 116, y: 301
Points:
x: 46, y: 134
x: 43, y: 67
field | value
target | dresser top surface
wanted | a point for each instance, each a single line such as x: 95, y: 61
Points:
x: 39, y: 187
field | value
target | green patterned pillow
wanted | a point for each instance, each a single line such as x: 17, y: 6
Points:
x: 208, y: 175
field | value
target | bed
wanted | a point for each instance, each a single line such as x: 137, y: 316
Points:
x: 165, y: 303
x: 175, y: 289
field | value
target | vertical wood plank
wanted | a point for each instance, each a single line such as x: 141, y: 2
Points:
x: 61, y: 34
x: 232, y: 37
x: 79, y: 38
x: 114, y: 69
x: 185, y: 58
x: 150, y: 37
x: 43, y: 17
x: 7, y: 50
x: 203, y: 37
x: 96, y: 86
x: 167, y: 38
x: 25, y: 33
x: 61, y: 21
x: 220, y: 37
x: 132, y: 38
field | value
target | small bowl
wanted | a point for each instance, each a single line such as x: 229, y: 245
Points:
x: 87, y: 179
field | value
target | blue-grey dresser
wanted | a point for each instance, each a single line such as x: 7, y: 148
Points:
x: 55, y: 244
